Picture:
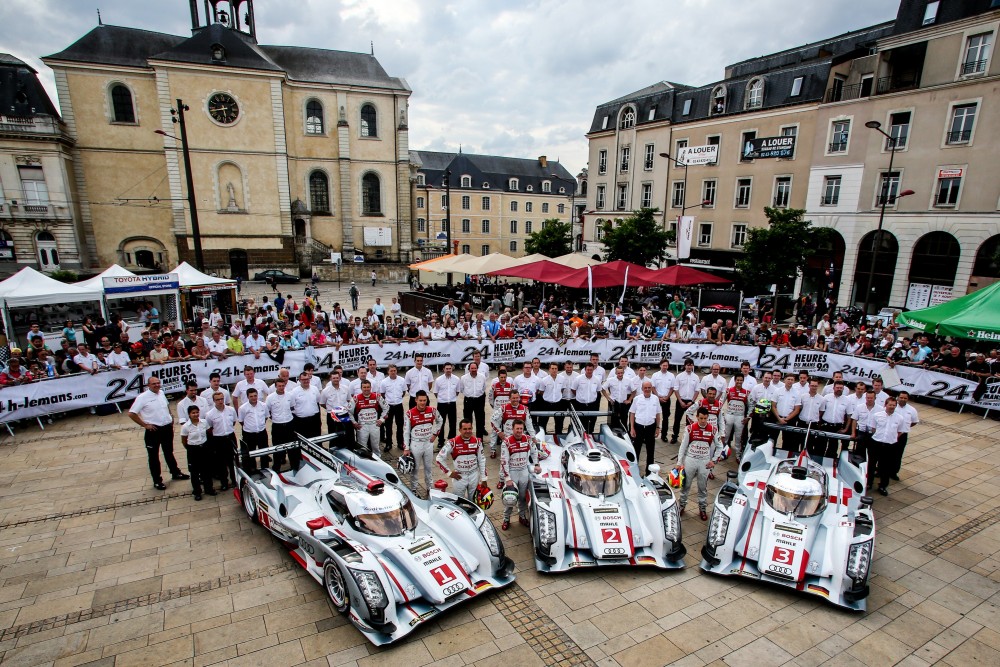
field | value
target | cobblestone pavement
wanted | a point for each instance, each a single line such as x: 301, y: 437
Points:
x: 98, y: 568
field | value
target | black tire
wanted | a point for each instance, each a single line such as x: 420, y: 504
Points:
x: 335, y: 584
x: 249, y: 502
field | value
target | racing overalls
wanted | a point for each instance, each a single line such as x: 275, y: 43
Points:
x: 419, y: 430
x: 733, y: 413
x: 498, y: 395
x: 503, y: 423
x: 366, y: 411
x: 697, y: 449
x: 516, y: 458
x: 470, y: 464
x: 714, y: 409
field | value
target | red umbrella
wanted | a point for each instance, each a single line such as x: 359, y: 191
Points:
x: 612, y: 274
x: 544, y: 271
x: 684, y: 275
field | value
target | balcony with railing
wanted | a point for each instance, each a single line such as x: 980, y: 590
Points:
x: 973, y: 67
x: 851, y: 92
x: 29, y: 124
x: 897, y: 82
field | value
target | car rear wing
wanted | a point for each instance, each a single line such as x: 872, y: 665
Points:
x: 574, y: 417
x: 311, y: 445
x: 809, y: 430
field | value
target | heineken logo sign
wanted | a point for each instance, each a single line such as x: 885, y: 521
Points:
x: 979, y: 334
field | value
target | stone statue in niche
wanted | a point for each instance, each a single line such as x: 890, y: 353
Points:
x: 232, y: 206
x: 343, y: 114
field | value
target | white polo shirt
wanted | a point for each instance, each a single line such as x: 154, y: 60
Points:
x: 786, y: 400
x: 419, y: 379
x: 153, y: 408
x: 304, y: 402
x: 447, y: 388
x: 811, y: 407
x: 716, y: 381
x: 885, y: 427
x: 835, y: 408
x: 197, y: 434
x: 686, y: 385
x: 222, y: 423
x: 587, y: 389
x: 619, y: 390
x: 551, y: 389
x: 182, y: 408
x: 279, y: 408
x: 392, y: 390
x: 226, y: 397
x: 645, y: 409
x: 474, y: 387
x: 663, y: 383
x: 240, y: 390
x: 253, y: 417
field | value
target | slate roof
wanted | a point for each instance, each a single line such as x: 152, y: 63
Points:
x: 21, y: 93
x: 493, y: 169
x: 115, y: 45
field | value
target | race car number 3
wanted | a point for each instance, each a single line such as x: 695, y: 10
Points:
x: 782, y: 555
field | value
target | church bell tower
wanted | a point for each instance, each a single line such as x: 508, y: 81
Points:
x: 237, y: 15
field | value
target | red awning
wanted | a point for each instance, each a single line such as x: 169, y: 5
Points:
x: 684, y: 275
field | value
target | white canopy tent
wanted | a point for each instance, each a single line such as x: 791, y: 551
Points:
x: 96, y: 284
x: 530, y: 259
x: 200, y: 291
x: 481, y: 265
x: 28, y: 288
x: 192, y: 277
x: 576, y: 261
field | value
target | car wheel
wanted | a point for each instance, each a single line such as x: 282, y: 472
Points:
x: 336, y: 586
x: 249, y: 501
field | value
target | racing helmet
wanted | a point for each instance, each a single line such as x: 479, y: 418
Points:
x: 441, y: 485
x: 762, y: 407
x: 543, y: 450
x: 483, y: 496
x: 676, y: 477
x: 509, y: 497
x: 525, y: 397
x: 724, y: 453
x: 406, y: 463
x: 340, y: 414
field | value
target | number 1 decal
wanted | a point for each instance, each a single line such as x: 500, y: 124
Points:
x: 611, y: 535
x: 442, y: 574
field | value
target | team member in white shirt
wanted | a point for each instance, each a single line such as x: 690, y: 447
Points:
x: 484, y: 368
x: 618, y: 391
x: 880, y: 395
x: 599, y: 371
x: 279, y: 410
x: 835, y: 416
x: 860, y: 429
x: 837, y: 375
x: 587, y: 396
x: 336, y: 394
x: 249, y: 380
x: 215, y: 385
x: 527, y: 381
x: 375, y: 375
x: 253, y: 416
x: 686, y: 386
x: 910, y: 418
x: 191, y: 397
x: 801, y: 387
x: 151, y: 411
x: 418, y: 378
x: 447, y: 387
x: 749, y: 381
x: 786, y: 406
x: 760, y: 390
x: 886, y: 426
x: 474, y: 386
x: 304, y: 403
x: 644, y: 417
x: 566, y: 380
x: 663, y: 387
x: 393, y: 388
x: 809, y: 417
x: 194, y: 437
x: 222, y: 426
x: 714, y: 379
x: 549, y: 395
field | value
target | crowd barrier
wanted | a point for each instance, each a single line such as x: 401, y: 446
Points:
x: 85, y: 391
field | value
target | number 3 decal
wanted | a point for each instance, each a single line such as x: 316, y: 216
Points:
x: 442, y: 574
x: 611, y: 535
x: 782, y: 555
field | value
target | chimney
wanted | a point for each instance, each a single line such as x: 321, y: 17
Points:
x: 543, y: 161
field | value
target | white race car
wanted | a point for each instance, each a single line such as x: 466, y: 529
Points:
x: 386, y: 558
x: 786, y: 519
x: 590, y: 507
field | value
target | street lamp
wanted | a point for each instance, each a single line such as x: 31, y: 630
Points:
x: 684, y: 206
x: 447, y: 212
x: 177, y: 116
x: 877, y: 126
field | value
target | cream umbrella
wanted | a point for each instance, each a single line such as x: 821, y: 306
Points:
x: 576, y: 260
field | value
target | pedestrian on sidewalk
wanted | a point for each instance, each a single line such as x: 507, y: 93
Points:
x: 374, y: 277
x: 355, y: 293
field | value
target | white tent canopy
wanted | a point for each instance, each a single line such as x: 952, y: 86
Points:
x: 531, y: 259
x: 481, y: 265
x: 192, y: 277
x: 96, y: 284
x: 444, y: 264
x: 576, y: 260
x: 28, y: 287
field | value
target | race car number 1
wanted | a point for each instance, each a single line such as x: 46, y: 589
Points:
x: 782, y: 555
x: 442, y: 574
x: 611, y: 535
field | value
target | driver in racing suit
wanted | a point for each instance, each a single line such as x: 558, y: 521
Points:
x: 695, y: 457
x: 517, y: 453
x: 421, y: 425
x: 367, y: 411
x: 503, y: 420
x: 735, y: 415
x: 470, y: 462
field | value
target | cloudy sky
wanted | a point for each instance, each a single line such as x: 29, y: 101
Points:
x: 518, y: 77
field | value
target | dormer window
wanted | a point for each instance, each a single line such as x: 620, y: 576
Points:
x: 530, y: 188
x: 421, y: 179
x: 513, y: 184
x: 719, y: 100
x: 218, y: 53
x: 466, y: 181
x: 486, y: 185
x: 755, y: 94
x: 546, y: 186
x: 562, y: 191
x: 628, y: 119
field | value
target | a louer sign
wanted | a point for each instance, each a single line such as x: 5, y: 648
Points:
x: 691, y: 155
x: 769, y: 147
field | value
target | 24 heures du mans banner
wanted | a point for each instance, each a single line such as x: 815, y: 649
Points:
x: 85, y: 391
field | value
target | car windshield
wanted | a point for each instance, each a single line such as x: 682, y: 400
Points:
x: 595, y: 485
x: 801, y: 497
x: 389, y: 523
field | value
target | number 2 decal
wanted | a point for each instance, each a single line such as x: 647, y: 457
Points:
x: 611, y: 535
x: 782, y: 555
x: 442, y: 574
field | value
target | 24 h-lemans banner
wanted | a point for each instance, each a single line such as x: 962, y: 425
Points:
x: 85, y: 391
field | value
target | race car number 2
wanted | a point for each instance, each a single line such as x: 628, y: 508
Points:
x: 611, y: 535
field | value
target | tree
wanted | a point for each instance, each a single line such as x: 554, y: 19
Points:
x: 639, y: 239
x: 554, y: 239
x: 776, y: 253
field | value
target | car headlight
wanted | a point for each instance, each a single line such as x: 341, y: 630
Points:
x: 546, y: 527
x: 371, y: 590
x: 718, y: 529
x: 671, y: 523
x: 858, y: 560
x: 489, y: 534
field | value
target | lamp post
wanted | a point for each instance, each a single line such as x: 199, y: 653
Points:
x: 447, y: 213
x: 684, y: 206
x: 877, y: 126
x: 177, y: 116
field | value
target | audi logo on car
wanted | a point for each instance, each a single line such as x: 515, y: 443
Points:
x: 454, y: 588
x: 777, y: 569
x: 614, y: 551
